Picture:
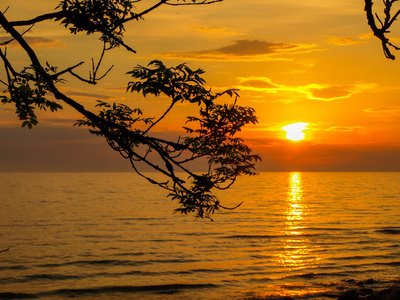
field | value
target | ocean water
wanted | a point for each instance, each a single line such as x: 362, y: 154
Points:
x: 114, y: 236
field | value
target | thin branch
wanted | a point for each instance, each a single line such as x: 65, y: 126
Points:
x: 7, y: 64
x: 38, y: 19
x: 162, y: 117
x: 231, y: 208
x: 92, y: 76
x: 1, y: 251
x: 10, y: 40
x: 105, y: 74
x: 140, y: 15
x: 379, y: 32
x: 81, y: 78
x: 163, y: 185
x: 394, y: 18
x: 68, y: 70
x: 379, y: 19
x: 195, y: 3
x: 96, y: 69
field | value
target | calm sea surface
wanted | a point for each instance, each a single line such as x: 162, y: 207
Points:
x: 114, y: 236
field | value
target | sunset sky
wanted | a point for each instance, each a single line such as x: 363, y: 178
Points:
x: 311, y: 61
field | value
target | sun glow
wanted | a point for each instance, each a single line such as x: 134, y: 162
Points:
x: 294, y: 131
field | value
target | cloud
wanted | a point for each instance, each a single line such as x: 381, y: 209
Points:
x: 247, y: 50
x: 328, y: 93
x: 121, y: 89
x: 343, y: 41
x: 262, y: 84
x: 314, y: 91
x: 366, y: 36
x: 384, y: 110
x: 62, y: 148
x: 344, y: 128
x: 89, y: 95
x: 56, y: 148
x: 8, y: 109
x: 58, y: 122
x: 34, y: 42
x: 95, y: 95
x: 216, y: 30
x: 306, y: 156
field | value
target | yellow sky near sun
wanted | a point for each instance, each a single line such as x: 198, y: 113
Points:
x: 311, y: 61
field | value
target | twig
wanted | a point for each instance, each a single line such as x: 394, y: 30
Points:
x: 1, y: 251
x: 22, y: 34
x: 195, y: 3
x: 41, y: 18
x: 385, y: 26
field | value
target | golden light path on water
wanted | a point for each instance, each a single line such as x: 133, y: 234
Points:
x: 297, y: 253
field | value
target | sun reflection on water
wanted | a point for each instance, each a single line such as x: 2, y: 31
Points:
x: 295, y: 210
x: 297, y: 252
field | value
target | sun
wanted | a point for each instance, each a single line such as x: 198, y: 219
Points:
x: 294, y: 132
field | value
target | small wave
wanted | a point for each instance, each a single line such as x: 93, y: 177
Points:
x: 323, y: 294
x: 308, y: 275
x: 39, y: 277
x: 98, y: 236
x: 325, y: 229
x: 138, y: 219
x: 389, y: 230
x: 164, y: 240
x: 354, y: 257
x: 116, y: 262
x: 19, y: 267
x: 165, y: 288
x: 160, y: 289
x: 53, y: 277
x: 130, y: 254
x: 17, y: 296
x: 173, y: 261
x: 265, y: 236
x: 111, y: 262
x: 261, y: 256
x: 393, y: 263
x: 313, y: 275
x: 249, y: 236
x: 263, y: 279
x: 197, y: 233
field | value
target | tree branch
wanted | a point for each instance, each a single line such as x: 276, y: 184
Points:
x: 103, y: 125
x: 1, y: 251
x: 380, y: 32
x: 160, y: 118
x: 140, y: 15
x: 195, y: 3
x: 49, y: 16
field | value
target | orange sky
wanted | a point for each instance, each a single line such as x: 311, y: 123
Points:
x: 312, y: 61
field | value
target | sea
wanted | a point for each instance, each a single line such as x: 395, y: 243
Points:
x: 116, y: 236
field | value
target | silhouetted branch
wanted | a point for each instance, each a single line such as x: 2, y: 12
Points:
x: 381, y: 32
x: 140, y: 15
x: 160, y: 118
x: 93, y: 79
x: 7, y: 64
x: 10, y: 40
x: 95, y: 69
x: 49, y: 16
x: 212, y: 137
x: 194, y: 3
x: 68, y: 70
